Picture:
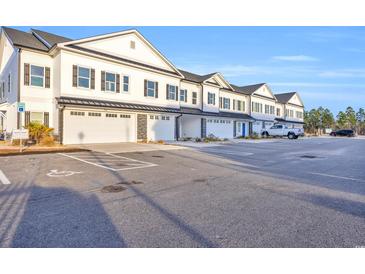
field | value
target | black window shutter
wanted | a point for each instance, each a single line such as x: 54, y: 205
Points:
x: 186, y: 95
x: 167, y: 92
x: 92, y: 80
x: 145, y: 88
x: 46, y: 119
x: 156, y: 91
x: 234, y: 104
x: 26, y: 74
x: 74, y: 76
x: 102, y: 81
x: 177, y: 93
x: 27, y: 118
x: 48, y: 77
x: 118, y: 83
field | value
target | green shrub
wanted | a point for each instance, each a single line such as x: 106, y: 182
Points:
x: 38, y: 131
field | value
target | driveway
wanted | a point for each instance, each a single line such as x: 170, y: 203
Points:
x: 288, y: 193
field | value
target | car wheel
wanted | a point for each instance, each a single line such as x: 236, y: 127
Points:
x: 265, y: 134
x: 291, y: 135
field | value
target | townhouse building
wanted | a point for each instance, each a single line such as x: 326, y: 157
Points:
x: 119, y: 88
x: 289, y: 109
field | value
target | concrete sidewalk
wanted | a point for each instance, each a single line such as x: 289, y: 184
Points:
x: 126, y: 147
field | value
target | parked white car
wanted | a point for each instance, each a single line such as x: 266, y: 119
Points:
x: 282, y: 131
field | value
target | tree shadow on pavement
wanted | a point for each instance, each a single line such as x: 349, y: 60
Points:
x: 60, y: 217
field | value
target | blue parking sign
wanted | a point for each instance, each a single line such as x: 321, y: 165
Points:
x: 21, y: 107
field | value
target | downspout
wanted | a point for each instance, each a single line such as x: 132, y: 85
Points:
x: 177, y: 129
x: 18, y: 91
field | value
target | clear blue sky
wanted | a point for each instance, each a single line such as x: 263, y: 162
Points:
x: 326, y: 65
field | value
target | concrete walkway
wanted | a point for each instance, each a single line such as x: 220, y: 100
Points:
x: 125, y: 147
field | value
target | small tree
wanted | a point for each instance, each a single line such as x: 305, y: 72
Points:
x: 351, y: 117
x: 37, y: 131
x: 360, y: 117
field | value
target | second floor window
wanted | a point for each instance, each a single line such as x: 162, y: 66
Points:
x: 226, y: 103
x: 83, y: 77
x: 211, y: 98
x: 151, y: 89
x: 299, y: 114
x: 194, y: 98
x: 256, y: 107
x: 278, y: 112
x: 267, y: 109
x: 36, y: 76
x: 183, y: 95
x: 110, y: 81
x: 126, y: 83
x: 239, y: 105
x: 171, y: 92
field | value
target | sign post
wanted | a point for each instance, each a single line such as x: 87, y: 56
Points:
x: 20, y: 134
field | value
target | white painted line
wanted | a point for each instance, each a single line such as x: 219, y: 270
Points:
x: 4, y: 179
x: 102, y: 165
x: 338, y: 177
x: 228, y: 152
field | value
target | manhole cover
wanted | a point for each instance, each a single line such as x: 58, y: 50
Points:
x: 157, y: 156
x: 200, y: 180
x: 131, y: 183
x: 113, y: 188
x: 308, y: 156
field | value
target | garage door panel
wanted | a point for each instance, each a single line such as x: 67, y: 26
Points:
x: 81, y: 128
x: 220, y: 128
x: 159, y: 128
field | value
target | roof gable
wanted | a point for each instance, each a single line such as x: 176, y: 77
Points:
x: 129, y: 45
x: 248, y: 90
x: 289, y: 97
x: 218, y: 79
x: 265, y: 91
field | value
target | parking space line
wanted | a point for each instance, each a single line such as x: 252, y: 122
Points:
x: 104, y: 162
x: 4, y: 179
x: 335, y: 176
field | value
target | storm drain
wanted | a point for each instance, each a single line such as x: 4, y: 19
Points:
x: 131, y: 183
x: 157, y: 156
x: 308, y: 156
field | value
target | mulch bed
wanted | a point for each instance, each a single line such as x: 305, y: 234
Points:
x: 35, y: 150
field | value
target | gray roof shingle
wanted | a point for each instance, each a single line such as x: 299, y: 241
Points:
x: 195, y: 77
x: 248, y: 90
x: 51, y: 38
x: 284, y: 97
x: 24, y: 39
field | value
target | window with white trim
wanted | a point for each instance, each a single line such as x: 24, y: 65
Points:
x: 226, y: 103
x: 83, y: 77
x: 110, y: 81
x: 111, y: 115
x: 299, y: 114
x: 36, y: 76
x: 125, y: 116
x: 239, y: 105
x: 256, y: 107
x: 272, y: 110
x: 126, y: 83
x: 194, y: 98
x: 278, y: 112
x: 151, y: 88
x: 37, y: 117
x: 211, y: 98
x: 171, y: 92
x: 183, y: 94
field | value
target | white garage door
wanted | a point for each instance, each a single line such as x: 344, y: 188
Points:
x: 90, y: 126
x: 222, y: 128
x: 160, y: 127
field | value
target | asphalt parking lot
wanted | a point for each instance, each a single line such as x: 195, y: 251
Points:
x: 280, y: 193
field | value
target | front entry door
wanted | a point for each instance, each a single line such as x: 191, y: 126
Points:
x: 239, y: 126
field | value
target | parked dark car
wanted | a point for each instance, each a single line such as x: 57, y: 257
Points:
x: 343, y: 132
